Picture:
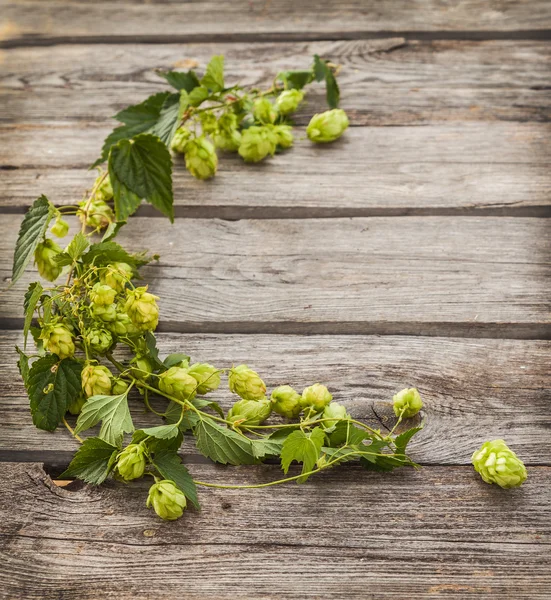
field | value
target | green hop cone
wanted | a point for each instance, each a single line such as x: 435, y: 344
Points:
x: 60, y: 228
x: 407, y: 403
x: 119, y: 387
x: 167, y: 500
x: 107, y: 314
x: 246, y: 383
x: 44, y: 258
x: 104, y: 189
x: 206, y: 376
x: 102, y: 295
x: 96, y: 380
x: 75, y: 407
x: 286, y: 401
x: 209, y: 123
x: 98, y: 215
x: 100, y: 340
x: 289, y: 100
x: 116, y: 276
x: 249, y: 412
x: 327, y: 126
x: 316, y: 396
x: 497, y: 463
x: 284, y: 135
x: 227, y: 137
x: 142, y: 368
x: 180, y: 139
x: 257, y: 143
x: 177, y: 382
x: 131, y: 462
x: 264, y: 111
x: 142, y: 308
x: 58, y: 340
x: 334, y: 411
x: 122, y: 325
x: 201, y: 158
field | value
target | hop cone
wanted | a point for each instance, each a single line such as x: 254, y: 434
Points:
x: 497, y: 463
x: 122, y: 325
x: 327, y: 126
x: 227, y: 137
x: 100, y: 340
x: 209, y: 122
x: 167, y: 500
x: 335, y: 411
x: 116, y: 276
x: 286, y: 401
x: 178, y: 382
x: 289, y: 100
x: 96, y: 380
x: 131, y: 462
x: 284, y: 135
x: 257, y: 143
x: 142, y: 308
x: 107, y: 314
x: 102, y: 295
x: 104, y: 191
x: 250, y: 412
x: 142, y: 368
x: 409, y: 401
x: 246, y: 383
x: 264, y: 111
x: 44, y: 258
x: 58, y: 340
x: 206, y: 376
x: 60, y: 228
x: 98, y: 214
x: 119, y: 387
x: 180, y: 140
x: 316, y: 396
x: 76, y: 405
x: 201, y: 158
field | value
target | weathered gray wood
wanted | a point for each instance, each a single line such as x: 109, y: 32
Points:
x: 420, y: 275
x: 437, y: 169
x: 346, y: 534
x: 474, y: 390
x: 383, y: 82
x: 29, y: 22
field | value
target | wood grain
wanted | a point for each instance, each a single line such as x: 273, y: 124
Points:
x: 31, y: 22
x: 473, y: 390
x: 383, y: 82
x: 435, y: 533
x: 420, y: 275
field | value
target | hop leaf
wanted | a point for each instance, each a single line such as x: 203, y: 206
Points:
x: 302, y: 447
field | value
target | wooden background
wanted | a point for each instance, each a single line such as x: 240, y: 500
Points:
x: 413, y: 252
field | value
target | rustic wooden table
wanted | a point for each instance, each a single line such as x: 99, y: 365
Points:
x: 415, y: 251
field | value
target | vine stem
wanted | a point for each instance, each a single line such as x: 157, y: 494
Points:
x: 72, y: 431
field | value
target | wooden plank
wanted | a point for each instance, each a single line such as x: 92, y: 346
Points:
x: 473, y: 390
x: 435, y: 533
x: 383, y: 82
x: 414, y: 275
x: 438, y: 169
x: 29, y: 22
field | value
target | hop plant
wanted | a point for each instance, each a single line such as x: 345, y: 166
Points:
x: 246, y: 383
x: 286, y: 401
x: 131, y: 462
x: 316, y: 396
x: 58, y: 340
x: 206, y: 376
x: 44, y: 258
x: 497, y: 463
x: 249, y: 412
x: 142, y: 308
x: 116, y: 276
x: 264, y: 111
x: 334, y: 411
x: 201, y: 158
x: 100, y: 340
x: 289, y: 100
x: 257, y: 143
x: 180, y: 140
x: 102, y: 295
x: 96, y: 380
x: 407, y: 403
x: 60, y: 228
x: 167, y: 500
x: 177, y: 382
x: 284, y: 135
x: 327, y: 126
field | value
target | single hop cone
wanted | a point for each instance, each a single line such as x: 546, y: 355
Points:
x: 180, y: 139
x: 107, y: 314
x: 60, y: 228
x: 100, y: 340
x: 177, y: 382
x: 328, y: 126
x: 264, y: 111
x: 407, y: 403
x: 246, y: 383
x: 102, y: 295
x: 104, y: 189
x: 96, y: 380
x: 289, y: 100
x: 44, y: 258
x: 284, y: 135
x: 141, y: 368
x: 131, y: 462
x: 227, y: 137
x: 58, y: 340
x: 122, y: 325
x: 116, y: 276
x: 98, y: 214
x: 201, y: 158
x: 497, y: 463
x: 75, y: 407
x: 257, y: 143
x: 209, y: 123
x: 249, y: 412
x: 286, y: 401
x: 167, y: 500
x: 206, y: 376
x: 119, y: 387
x: 334, y: 411
x: 316, y: 396
x: 142, y: 308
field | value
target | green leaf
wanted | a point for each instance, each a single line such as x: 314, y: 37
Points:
x: 320, y: 68
x: 23, y: 365
x: 112, y: 411
x: 75, y: 250
x: 401, y: 441
x: 267, y: 447
x: 52, y: 385
x: 30, y: 301
x: 151, y: 343
x: 343, y: 454
x: 302, y: 447
x: 105, y: 253
x: 223, y: 445
x: 296, y: 79
x: 332, y: 92
x: 174, y: 359
x: 198, y: 95
x: 126, y: 202
x: 112, y: 230
x: 347, y: 433
x: 31, y: 232
x: 213, y: 79
x: 162, y: 432
x: 170, y: 466
x: 180, y: 80
x: 168, y: 120
x: 144, y: 166
x: 92, y: 462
